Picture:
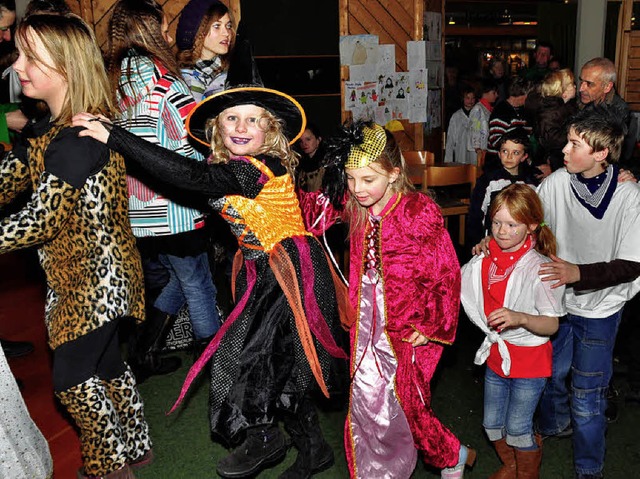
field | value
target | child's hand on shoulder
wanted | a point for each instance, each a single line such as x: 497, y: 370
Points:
x: 482, y: 247
x: 626, y: 175
x: 417, y: 339
x: 560, y: 271
x: 503, y: 318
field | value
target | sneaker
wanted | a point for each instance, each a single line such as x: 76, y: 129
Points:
x: 565, y: 433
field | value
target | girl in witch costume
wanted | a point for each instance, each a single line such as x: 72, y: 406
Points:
x: 77, y: 216
x: 280, y: 336
x: 404, y: 281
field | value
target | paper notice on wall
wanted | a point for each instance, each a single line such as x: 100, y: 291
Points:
x: 416, y: 55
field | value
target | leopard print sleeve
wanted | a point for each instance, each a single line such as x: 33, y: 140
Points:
x: 14, y: 178
x: 42, y: 218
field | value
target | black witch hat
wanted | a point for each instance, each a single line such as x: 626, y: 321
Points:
x: 245, y: 87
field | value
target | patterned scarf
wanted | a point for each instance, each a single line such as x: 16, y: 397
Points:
x: 595, y: 193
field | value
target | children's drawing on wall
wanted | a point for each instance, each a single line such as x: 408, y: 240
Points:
x: 383, y: 115
x: 360, y: 95
x: 434, y: 109
x: 399, y: 109
x: 418, y: 81
x: 364, y: 112
x: 386, y: 59
x: 435, y: 76
x: 434, y: 51
x: 359, y: 49
x: 433, y: 26
x: 418, y: 110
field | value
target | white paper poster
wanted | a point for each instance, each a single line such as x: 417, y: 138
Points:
x: 416, y: 55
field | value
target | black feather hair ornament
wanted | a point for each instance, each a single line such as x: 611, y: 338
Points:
x: 338, y: 149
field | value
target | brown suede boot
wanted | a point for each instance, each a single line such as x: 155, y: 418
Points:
x: 528, y: 462
x: 507, y: 455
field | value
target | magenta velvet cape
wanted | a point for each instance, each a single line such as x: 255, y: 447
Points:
x: 420, y: 270
x: 422, y: 292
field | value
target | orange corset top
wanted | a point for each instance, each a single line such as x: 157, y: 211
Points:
x: 274, y: 214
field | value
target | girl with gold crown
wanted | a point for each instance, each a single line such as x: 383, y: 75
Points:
x: 404, y: 281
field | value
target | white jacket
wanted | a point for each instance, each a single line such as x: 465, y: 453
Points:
x: 525, y: 293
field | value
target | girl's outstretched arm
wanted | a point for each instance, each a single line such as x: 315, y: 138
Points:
x: 169, y: 167
x: 503, y: 318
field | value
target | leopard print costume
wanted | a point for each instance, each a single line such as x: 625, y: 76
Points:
x: 86, y: 247
x: 101, y: 436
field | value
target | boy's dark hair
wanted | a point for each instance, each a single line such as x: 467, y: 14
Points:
x: 466, y: 89
x: 518, y: 86
x: 515, y: 135
x: 489, y: 84
x: 544, y: 44
x: 600, y: 126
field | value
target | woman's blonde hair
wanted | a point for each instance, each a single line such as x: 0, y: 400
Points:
x: 76, y: 57
x: 556, y: 83
x: 275, y: 143
x: 389, y: 159
x: 525, y: 207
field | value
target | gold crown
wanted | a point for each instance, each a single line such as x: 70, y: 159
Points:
x: 375, y: 139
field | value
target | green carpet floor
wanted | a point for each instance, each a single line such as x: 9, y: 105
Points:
x: 184, y: 449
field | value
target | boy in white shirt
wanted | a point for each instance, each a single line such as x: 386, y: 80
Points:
x: 596, y: 221
x: 458, y: 132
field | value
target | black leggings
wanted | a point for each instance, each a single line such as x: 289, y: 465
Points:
x: 95, y: 354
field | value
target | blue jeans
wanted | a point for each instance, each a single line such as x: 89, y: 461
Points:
x: 190, y: 281
x: 584, y: 347
x: 509, y: 404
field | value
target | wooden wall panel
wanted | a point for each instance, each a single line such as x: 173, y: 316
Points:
x: 395, y: 22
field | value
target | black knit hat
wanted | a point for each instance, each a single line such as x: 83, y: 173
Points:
x: 190, y: 20
x: 245, y: 87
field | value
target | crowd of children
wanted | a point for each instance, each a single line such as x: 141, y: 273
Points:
x: 555, y: 259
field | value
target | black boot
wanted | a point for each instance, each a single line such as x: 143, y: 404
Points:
x: 264, y: 446
x: 15, y: 349
x: 314, y: 453
x: 145, y: 345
